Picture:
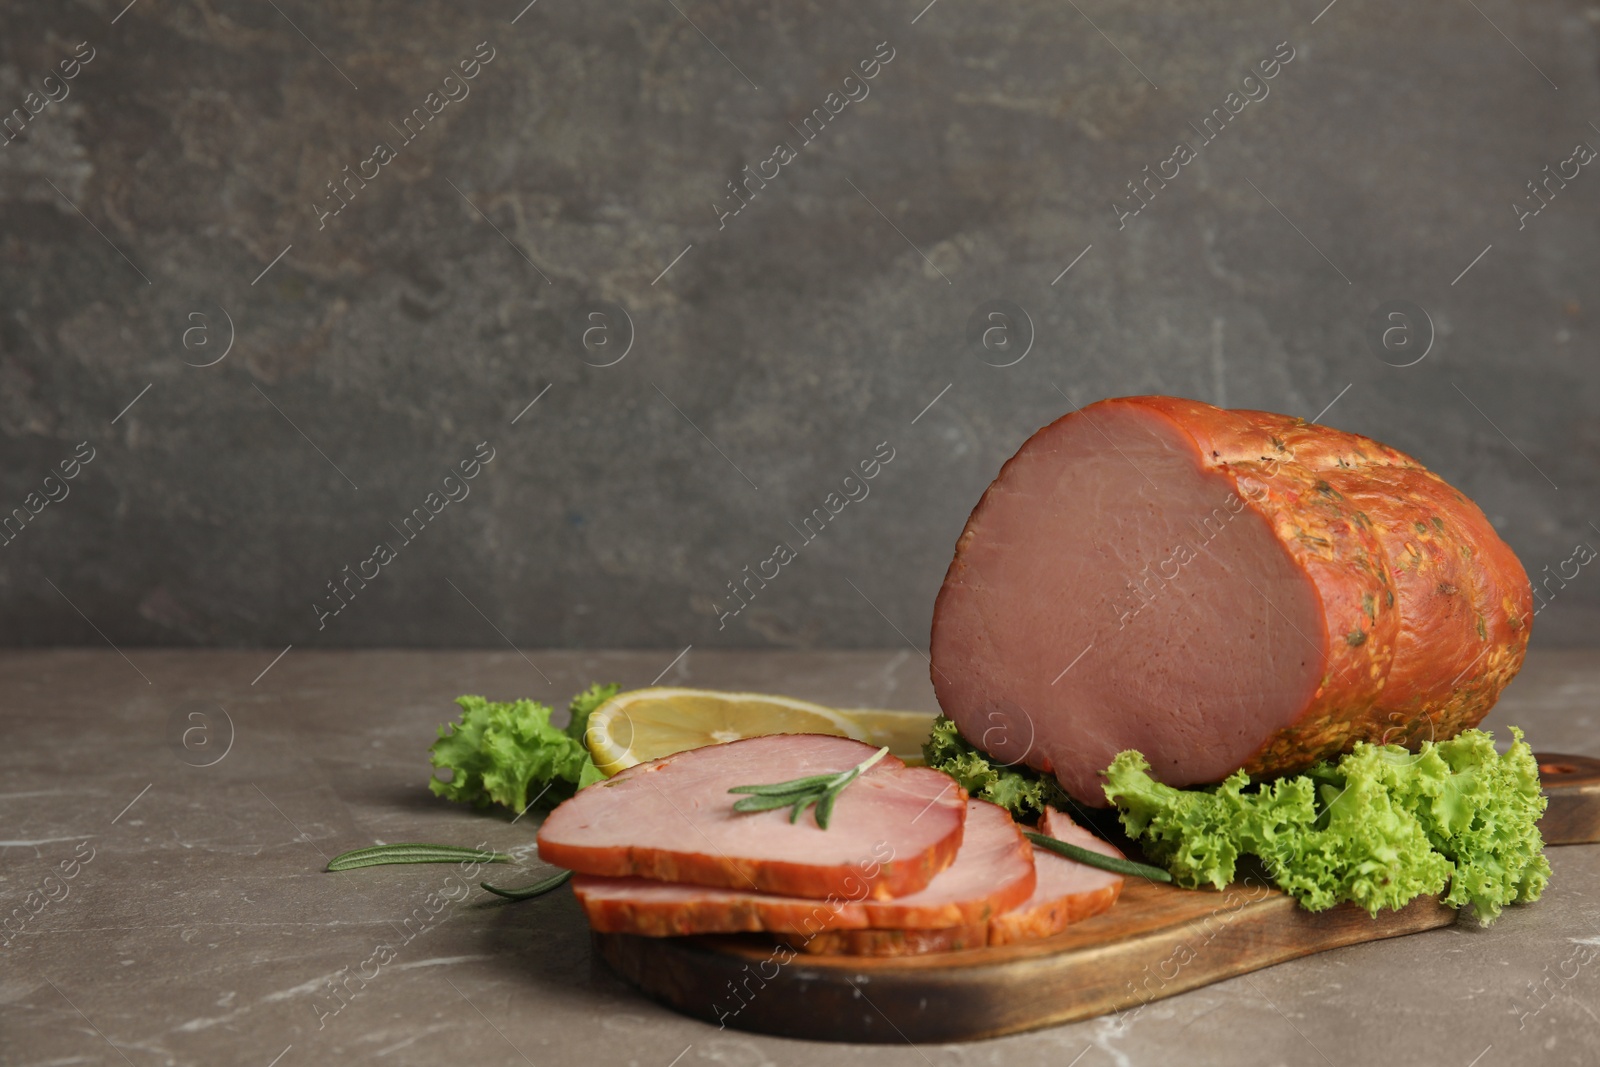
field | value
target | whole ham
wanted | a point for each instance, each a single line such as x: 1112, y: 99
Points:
x: 672, y: 819
x: 1219, y: 590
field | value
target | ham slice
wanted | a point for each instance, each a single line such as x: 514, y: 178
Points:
x: 993, y: 871
x: 665, y: 909
x: 1220, y: 590
x: 1065, y: 892
x: 672, y: 820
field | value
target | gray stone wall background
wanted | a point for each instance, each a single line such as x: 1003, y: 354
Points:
x: 171, y: 207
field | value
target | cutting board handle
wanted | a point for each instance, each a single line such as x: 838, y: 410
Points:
x: 1572, y: 785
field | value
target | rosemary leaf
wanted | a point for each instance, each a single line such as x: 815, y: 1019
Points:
x: 825, y: 808
x: 801, y: 793
x: 798, y: 785
x: 1090, y: 858
x: 528, y: 892
x: 762, y: 803
x: 412, y: 853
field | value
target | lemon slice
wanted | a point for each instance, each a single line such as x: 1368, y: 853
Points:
x: 645, y: 724
x: 903, y: 731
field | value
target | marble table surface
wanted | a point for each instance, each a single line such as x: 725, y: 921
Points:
x: 171, y: 813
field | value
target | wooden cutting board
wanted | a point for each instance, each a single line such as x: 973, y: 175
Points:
x: 1572, y: 785
x: 1157, y: 941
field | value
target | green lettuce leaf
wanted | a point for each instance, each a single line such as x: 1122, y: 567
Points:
x: 1379, y: 827
x: 510, y: 754
x: 1021, y: 790
x: 590, y: 774
x: 582, y: 705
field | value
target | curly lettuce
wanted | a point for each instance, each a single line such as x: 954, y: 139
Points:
x: 511, y: 754
x: 1021, y: 790
x: 1379, y: 827
x: 581, y: 706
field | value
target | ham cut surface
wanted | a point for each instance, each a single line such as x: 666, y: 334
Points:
x: 672, y: 820
x: 993, y: 871
x: 1219, y: 590
x: 1067, y: 891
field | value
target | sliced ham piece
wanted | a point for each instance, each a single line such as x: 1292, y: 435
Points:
x: 993, y: 871
x: 1066, y: 892
x: 672, y: 820
x: 1219, y: 590
x: 665, y: 909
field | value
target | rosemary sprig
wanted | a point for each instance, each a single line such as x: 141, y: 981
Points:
x: 1091, y: 858
x: 412, y: 853
x: 528, y: 892
x: 801, y: 793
